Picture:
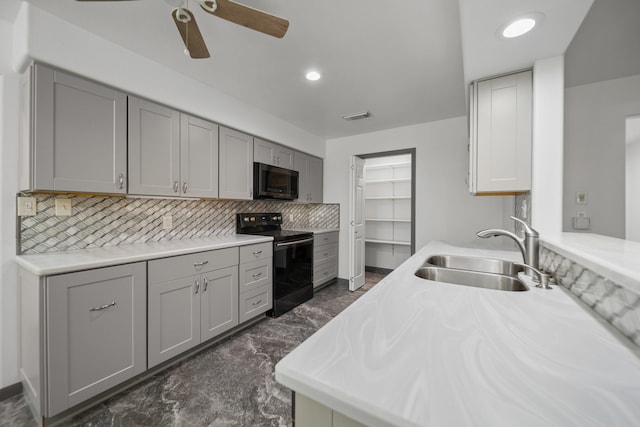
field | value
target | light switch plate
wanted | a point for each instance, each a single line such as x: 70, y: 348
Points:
x: 167, y: 222
x: 27, y: 206
x: 63, y: 207
x: 582, y: 198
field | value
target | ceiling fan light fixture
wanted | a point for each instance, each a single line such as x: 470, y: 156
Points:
x: 313, y: 76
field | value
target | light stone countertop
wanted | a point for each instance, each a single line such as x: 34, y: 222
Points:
x: 615, y: 259
x: 64, y: 262
x: 412, y: 352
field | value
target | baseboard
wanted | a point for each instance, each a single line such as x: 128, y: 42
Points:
x: 10, y: 391
x: 343, y: 282
x: 377, y: 270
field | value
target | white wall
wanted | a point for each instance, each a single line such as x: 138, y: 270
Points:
x: 547, y: 151
x: 444, y: 208
x: 595, y: 151
x: 9, y: 100
x: 632, y: 182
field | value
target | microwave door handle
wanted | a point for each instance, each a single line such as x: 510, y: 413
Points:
x: 297, y: 242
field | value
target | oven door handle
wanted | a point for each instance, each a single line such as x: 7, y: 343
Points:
x: 296, y: 242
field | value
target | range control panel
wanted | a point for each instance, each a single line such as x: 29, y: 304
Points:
x: 258, y: 219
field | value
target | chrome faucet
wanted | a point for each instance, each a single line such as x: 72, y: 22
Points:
x: 529, y: 246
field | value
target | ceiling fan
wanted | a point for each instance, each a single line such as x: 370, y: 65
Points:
x: 229, y: 10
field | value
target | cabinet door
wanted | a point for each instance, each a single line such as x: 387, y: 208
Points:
x: 96, y: 327
x: 314, y: 179
x: 174, y: 318
x: 219, y: 302
x: 80, y: 135
x: 236, y: 165
x: 300, y: 164
x: 503, y: 147
x: 284, y: 156
x: 154, y: 149
x: 263, y: 152
x: 198, y: 157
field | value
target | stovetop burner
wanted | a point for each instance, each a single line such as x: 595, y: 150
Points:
x: 267, y: 224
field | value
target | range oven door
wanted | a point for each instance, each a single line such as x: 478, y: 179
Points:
x: 272, y: 182
x: 292, y: 274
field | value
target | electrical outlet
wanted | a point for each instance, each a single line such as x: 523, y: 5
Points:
x: 63, y: 207
x: 27, y: 206
x: 167, y: 222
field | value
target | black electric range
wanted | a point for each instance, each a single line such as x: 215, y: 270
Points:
x: 292, y: 259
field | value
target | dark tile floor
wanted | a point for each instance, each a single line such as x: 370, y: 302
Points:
x: 230, y: 384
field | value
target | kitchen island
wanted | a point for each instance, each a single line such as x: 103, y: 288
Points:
x: 412, y: 352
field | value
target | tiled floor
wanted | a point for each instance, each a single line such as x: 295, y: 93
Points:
x: 231, y: 384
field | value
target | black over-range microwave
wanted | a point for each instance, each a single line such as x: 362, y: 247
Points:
x: 272, y: 182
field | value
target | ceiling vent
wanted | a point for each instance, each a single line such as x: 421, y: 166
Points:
x: 357, y: 116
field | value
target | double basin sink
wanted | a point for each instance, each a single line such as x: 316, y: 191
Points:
x: 478, y: 272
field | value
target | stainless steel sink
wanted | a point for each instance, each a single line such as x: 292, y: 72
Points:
x: 486, y: 265
x: 476, y: 279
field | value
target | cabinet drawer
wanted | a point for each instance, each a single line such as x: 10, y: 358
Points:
x: 256, y: 302
x: 325, y: 238
x: 255, y: 274
x: 325, y: 272
x: 325, y: 253
x: 166, y: 269
x: 251, y: 253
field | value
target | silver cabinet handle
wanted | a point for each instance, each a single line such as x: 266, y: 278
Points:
x: 121, y: 181
x: 184, y: 187
x: 200, y: 264
x: 206, y: 284
x: 103, y: 307
x: 175, y: 185
x: 256, y: 303
x: 256, y: 253
x: 256, y: 275
x: 197, y: 285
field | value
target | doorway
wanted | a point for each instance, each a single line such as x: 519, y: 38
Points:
x: 383, y: 189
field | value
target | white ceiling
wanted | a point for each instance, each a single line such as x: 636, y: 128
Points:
x: 402, y: 60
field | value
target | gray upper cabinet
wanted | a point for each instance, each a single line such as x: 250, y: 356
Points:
x: 77, y: 137
x: 171, y: 153
x: 96, y: 332
x: 272, y: 154
x: 500, y: 134
x: 154, y: 149
x: 198, y: 157
x: 310, y: 178
x: 236, y: 165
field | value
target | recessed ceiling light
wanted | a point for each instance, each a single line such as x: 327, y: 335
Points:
x: 313, y: 76
x: 520, y: 25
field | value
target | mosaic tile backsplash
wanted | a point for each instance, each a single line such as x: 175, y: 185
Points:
x: 111, y: 221
x: 616, y: 304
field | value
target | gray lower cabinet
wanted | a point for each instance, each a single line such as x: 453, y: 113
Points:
x: 325, y: 257
x: 75, y: 134
x: 310, y: 171
x: 256, y: 281
x: 95, y: 327
x: 192, y: 298
x: 236, y: 165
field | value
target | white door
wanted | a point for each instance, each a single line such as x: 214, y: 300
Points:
x: 357, y: 224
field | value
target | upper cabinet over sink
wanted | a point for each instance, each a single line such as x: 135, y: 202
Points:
x: 500, y: 134
x: 74, y: 134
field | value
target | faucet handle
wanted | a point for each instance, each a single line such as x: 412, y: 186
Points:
x: 527, y: 229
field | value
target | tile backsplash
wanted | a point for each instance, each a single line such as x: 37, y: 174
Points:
x: 618, y: 305
x: 110, y: 221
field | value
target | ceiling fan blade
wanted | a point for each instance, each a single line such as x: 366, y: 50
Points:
x: 190, y: 33
x: 250, y: 17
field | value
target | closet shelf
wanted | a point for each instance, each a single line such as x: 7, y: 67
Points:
x: 382, y: 181
x: 388, y: 242
x: 388, y: 198
x: 387, y: 219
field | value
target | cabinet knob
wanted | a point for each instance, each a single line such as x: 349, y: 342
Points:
x: 257, y: 253
x: 175, y: 186
x: 121, y: 181
x: 103, y: 307
x: 184, y: 187
x: 206, y: 284
x: 197, y: 286
x: 256, y: 303
x: 256, y: 275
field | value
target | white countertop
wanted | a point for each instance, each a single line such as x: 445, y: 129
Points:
x: 68, y: 261
x: 412, y: 352
x: 615, y: 259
